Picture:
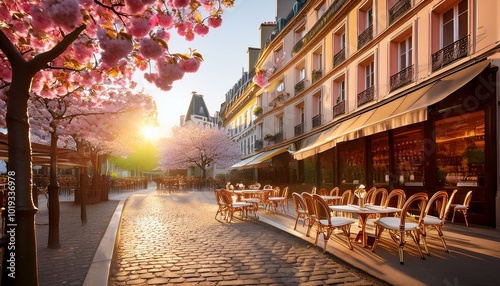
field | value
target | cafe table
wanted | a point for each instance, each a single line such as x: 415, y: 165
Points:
x: 363, y: 214
x: 331, y: 200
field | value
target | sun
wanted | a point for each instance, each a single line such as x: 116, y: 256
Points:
x: 150, y: 133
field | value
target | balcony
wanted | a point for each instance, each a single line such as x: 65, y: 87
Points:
x: 278, y: 137
x: 450, y: 53
x: 339, y: 58
x: 259, y: 144
x: 316, y: 120
x: 339, y: 108
x: 300, y: 86
x: 315, y: 75
x: 398, y: 10
x: 299, y: 129
x: 366, y: 95
x: 365, y: 37
x: 402, y: 78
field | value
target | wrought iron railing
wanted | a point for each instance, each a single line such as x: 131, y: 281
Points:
x: 365, y: 37
x: 259, y: 144
x: 316, y: 120
x: 366, y: 95
x: 326, y: 18
x: 300, y: 86
x: 339, y: 58
x: 450, y: 53
x: 299, y: 129
x: 278, y: 137
x: 402, y: 78
x: 399, y: 9
x: 339, y: 108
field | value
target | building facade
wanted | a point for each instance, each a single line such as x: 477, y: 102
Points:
x: 393, y: 94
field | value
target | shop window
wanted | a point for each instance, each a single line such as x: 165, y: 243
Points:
x: 352, y: 165
x: 326, y: 165
x: 409, y: 157
x: 380, y: 160
x: 310, y: 170
x: 460, y: 150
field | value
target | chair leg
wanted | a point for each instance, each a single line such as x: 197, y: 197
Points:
x: 465, y: 217
x: 453, y: 217
x: 296, y: 221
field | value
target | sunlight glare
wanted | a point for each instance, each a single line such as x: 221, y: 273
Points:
x: 150, y: 132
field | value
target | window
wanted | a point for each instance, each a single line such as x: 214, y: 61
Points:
x: 460, y: 150
x: 281, y: 86
x: 318, y: 60
x: 341, y: 92
x: 365, y: 24
x: 280, y: 124
x: 339, y: 44
x: 300, y: 32
x: 302, y: 73
x: 278, y: 57
x: 369, y: 75
x: 449, y: 39
x: 454, y: 24
x: 320, y: 10
x: 405, y: 53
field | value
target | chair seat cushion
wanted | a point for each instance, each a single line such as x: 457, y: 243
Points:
x: 276, y: 198
x: 431, y: 220
x: 240, y: 204
x: 460, y: 207
x: 338, y: 221
x: 393, y: 223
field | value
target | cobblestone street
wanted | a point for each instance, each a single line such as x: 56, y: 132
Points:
x: 174, y: 239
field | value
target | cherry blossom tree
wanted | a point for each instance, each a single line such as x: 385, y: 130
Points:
x: 97, y: 41
x: 55, y: 116
x: 194, y: 146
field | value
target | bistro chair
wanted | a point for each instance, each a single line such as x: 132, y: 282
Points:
x: 221, y: 204
x: 462, y: 207
x: 335, y: 191
x: 401, y: 227
x: 323, y: 192
x: 396, y: 198
x: 308, y: 199
x: 279, y: 200
x: 345, y: 200
x: 437, y: 204
x: 233, y: 207
x: 300, y: 209
x: 326, y: 223
x: 378, y: 197
x: 369, y: 194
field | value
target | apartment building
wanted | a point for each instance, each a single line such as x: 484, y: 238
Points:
x: 393, y: 94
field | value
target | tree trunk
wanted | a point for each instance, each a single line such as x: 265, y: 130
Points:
x: 54, y: 211
x: 20, y: 257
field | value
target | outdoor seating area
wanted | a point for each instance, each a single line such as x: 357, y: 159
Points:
x: 376, y: 218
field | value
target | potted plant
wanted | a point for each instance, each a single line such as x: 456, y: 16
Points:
x: 257, y: 111
x: 316, y: 74
x: 269, y: 137
x: 299, y: 86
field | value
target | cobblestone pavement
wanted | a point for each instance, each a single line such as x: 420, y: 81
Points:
x: 69, y: 264
x: 173, y: 239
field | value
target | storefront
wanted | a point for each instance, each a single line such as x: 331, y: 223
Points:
x: 441, y: 136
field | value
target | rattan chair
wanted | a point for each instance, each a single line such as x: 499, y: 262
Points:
x: 281, y: 200
x: 462, y: 207
x: 435, y: 216
x: 221, y: 204
x: 233, y: 207
x: 401, y: 227
x: 326, y: 223
x: 300, y: 209
x: 308, y: 199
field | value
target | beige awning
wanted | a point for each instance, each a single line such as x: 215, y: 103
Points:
x: 403, y: 111
x: 259, y: 158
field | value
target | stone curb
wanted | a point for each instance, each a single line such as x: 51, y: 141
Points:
x: 100, y: 268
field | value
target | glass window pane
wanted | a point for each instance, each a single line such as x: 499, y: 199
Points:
x: 460, y: 150
x: 380, y: 159
x: 409, y: 157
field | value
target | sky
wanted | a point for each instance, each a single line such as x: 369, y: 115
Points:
x: 225, y: 54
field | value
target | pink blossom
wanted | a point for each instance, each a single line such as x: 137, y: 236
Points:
x: 214, y: 22
x: 150, y: 77
x: 189, y: 36
x: 162, y: 34
x: 65, y: 13
x: 165, y: 20
x: 40, y: 19
x: 135, y: 6
x: 150, y: 48
x: 139, y: 27
x: 190, y: 65
x: 200, y: 29
x: 261, y: 79
x: 169, y: 71
x: 180, y: 3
